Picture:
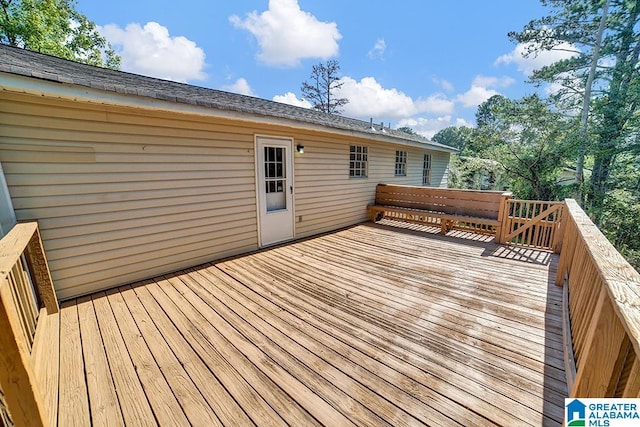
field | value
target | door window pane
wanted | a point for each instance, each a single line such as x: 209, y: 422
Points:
x: 275, y: 178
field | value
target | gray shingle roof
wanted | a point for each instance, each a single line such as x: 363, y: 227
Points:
x: 36, y: 65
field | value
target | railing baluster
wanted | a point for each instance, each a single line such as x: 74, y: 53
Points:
x: 19, y: 303
x: 632, y: 388
x: 26, y: 303
x: 33, y: 297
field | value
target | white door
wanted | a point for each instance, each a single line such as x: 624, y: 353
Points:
x: 274, y: 162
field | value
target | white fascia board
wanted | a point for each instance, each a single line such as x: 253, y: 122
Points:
x: 33, y: 86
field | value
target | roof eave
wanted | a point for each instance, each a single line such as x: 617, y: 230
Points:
x: 43, y: 86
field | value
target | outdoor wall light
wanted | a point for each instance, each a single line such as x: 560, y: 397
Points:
x: 300, y: 148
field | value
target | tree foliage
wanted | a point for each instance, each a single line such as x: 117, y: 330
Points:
x: 621, y: 208
x: 320, y: 89
x: 458, y: 137
x: 601, y: 80
x: 522, y: 145
x: 574, y: 24
x: 591, y: 117
x: 529, y: 140
x: 56, y: 28
x: 476, y: 173
x: 408, y: 130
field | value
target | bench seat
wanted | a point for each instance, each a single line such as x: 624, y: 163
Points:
x: 471, y: 210
x: 446, y: 221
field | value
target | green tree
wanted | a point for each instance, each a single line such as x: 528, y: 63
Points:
x: 621, y: 208
x: 615, y: 52
x: 619, y: 107
x: 458, y: 137
x: 321, y: 88
x: 486, y: 114
x: 475, y: 173
x: 528, y: 139
x: 56, y: 28
x: 407, y: 129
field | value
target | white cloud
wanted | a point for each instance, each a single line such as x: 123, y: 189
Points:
x: 152, y: 51
x: 367, y: 98
x: 286, y: 34
x: 428, y: 127
x: 462, y: 122
x: 490, y: 81
x: 527, y: 64
x: 378, y: 50
x: 482, y: 88
x: 475, y: 96
x: 240, y: 86
x: 553, y: 88
x: 445, y: 84
x: 435, y: 104
x: 291, y: 99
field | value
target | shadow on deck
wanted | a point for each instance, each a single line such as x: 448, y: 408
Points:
x: 372, y: 325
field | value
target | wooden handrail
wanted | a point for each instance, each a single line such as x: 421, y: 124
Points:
x: 21, y: 293
x: 603, y: 310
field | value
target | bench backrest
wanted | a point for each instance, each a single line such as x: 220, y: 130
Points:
x: 473, y: 203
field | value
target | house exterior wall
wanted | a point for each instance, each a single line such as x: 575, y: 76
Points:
x: 327, y: 198
x: 124, y: 194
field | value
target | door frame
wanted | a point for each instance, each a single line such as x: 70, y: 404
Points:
x: 8, y: 214
x: 257, y: 164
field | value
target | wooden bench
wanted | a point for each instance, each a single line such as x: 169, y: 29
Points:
x: 471, y: 210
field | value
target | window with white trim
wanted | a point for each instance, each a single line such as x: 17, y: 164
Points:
x: 426, y: 170
x: 358, y: 159
x: 401, y: 163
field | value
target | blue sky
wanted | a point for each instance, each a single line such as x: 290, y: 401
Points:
x: 419, y: 63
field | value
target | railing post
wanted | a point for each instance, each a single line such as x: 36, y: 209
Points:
x: 503, y: 215
x: 20, y: 386
x: 558, y: 236
x: 16, y: 376
x: 564, y: 244
x: 40, y: 273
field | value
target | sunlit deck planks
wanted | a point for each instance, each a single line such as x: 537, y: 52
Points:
x: 372, y: 325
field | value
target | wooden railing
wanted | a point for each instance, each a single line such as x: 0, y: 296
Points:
x: 533, y: 223
x: 602, y: 312
x: 601, y: 290
x: 530, y: 223
x: 27, y: 303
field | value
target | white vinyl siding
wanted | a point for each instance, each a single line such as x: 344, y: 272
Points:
x: 124, y: 194
x: 327, y: 199
x: 121, y: 196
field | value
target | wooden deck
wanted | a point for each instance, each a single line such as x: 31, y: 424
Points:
x: 372, y: 325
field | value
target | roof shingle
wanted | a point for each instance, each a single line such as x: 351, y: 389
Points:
x: 36, y: 65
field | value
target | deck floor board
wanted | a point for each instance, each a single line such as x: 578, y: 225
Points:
x: 414, y: 327
x: 105, y: 407
x: 371, y: 325
x: 195, y: 407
